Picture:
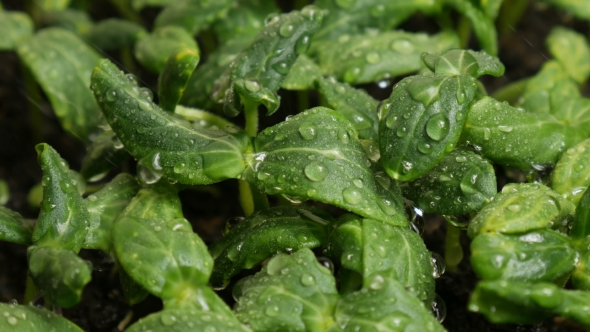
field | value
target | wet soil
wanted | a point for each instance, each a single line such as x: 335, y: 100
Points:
x: 522, y: 50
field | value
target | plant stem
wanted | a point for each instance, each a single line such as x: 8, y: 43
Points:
x: 30, y: 291
x: 251, y: 114
x: 124, y: 8
x: 464, y: 31
x: 511, y: 92
x: 453, y: 250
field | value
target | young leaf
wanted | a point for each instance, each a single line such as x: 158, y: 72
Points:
x: 62, y: 64
x: 521, y: 208
x: 153, y: 50
x: 570, y: 109
x: 303, y: 74
x: 581, y: 225
x: 581, y: 274
x: 193, y: 15
x: 316, y: 155
x: 14, y: 228
x: 63, y: 220
x: 59, y: 274
x: 27, y: 318
x: 258, y: 71
x: 513, y: 138
x: 104, y: 206
x: 518, y: 302
x: 15, y: 28
x: 572, y: 52
x: 265, y: 233
x: 355, y: 104
x: 421, y: 122
x: 114, y: 34
x: 200, y: 119
x: 4, y: 192
x: 483, y: 25
x: 464, y: 62
x: 174, y: 77
x: 383, y: 305
x: 369, y: 246
x: 570, y: 177
x: 244, y: 20
x: 370, y: 57
x: 157, y: 247
x: 105, y: 152
x: 186, y: 320
x: 163, y: 145
x: 298, y: 294
x: 542, y: 255
x: 460, y: 183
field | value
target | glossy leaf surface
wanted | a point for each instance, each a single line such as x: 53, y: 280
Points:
x: 157, y: 247
x: 257, y: 72
x: 520, y: 208
x: 542, y: 255
x: 263, y: 234
x: 174, y: 77
x: 291, y: 293
x: 572, y: 51
x: 104, y: 206
x: 383, y: 305
x: 303, y: 74
x: 370, y: 57
x: 355, y: 104
x: 115, y: 34
x: 581, y: 226
x: 59, y: 274
x: 316, y: 155
x: 460, y: 183
x: 200, y: 119
x: 14, y: 228
x: 105, y: 152
x: 186, y: 320
x: 581, y: 275
x: 193, y: 15
x: 63, y: 219
x: 369, y: 246
x: 571, y: 176
x: 153, y: 50
x: 421, y: 122
x: 162, y: 145
x: 518, y: 302
x: 513, y: 138
x: 464, y: 62
x: 15, y: 27
x: 62, y: 64
x: 571, y: 110
x: 26, y: 318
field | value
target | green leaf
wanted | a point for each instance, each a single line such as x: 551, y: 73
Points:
x: 522, y: 207
x: 421, y: 122
x: 104, y: 153
x: 572, y: 52
x: 460, y: 183
x: 369, y: 246
x: 63, y: 219
x: 482, y: 24
x: 383, y: 305
x: 490, y: 7
x: 14, y: 228
x: 581, y: 224
x: 244, y: 20
x: 104, y: 206
x: 26, y: 318
x: 200, y: 119
x: 265, y: 233
x: 464, y: 62
x: 157, y: 247
x: 140, y: 4
x: 578, y: 8
x: 372, y: 57
x: 15, y: 28
x: 51, y: 5
x: 132, y: 291
x: 153, y: 50
x: 355, y: 104
x: 174, y: 77
x: 162, y: 145
x: 510, y: 137
x: 114, y: 34
x: 193, y: 15
x: 257, y: 72
x: 570, y: 109
x: 570, y: 177
x: 541, y: 255
x: 297, y: 293
x: 76, y: 21
x: 581, y: 274
x: 4, y: 192
x: 518, y: 302
x: 186, y: 320
x: 303, y: 74
x: 316, y: 155
x: 62, y: 64
x: 59, y: 274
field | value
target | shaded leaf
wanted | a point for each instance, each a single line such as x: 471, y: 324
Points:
x: 27, y: 318
x: 192, y: 15
x: 115, y: 34
x: 316, y: 155
x: 153, y: 50
x: 186, y: 320
x: 572, y: 52
x: 174, y: 77
x: 104, y: 153
x: 76, y: 21
x: 303, y: 74
x: 570, y: 177
x: 140, y: 4
x: 581, y: 225
x: 482, y: 24
x: 4, y: 192
x: 15, y: 28
x: 581, y: 274
x: 14, y: 228
x: 460, y: 183
x: 132, y: 291
x: 265, y: 233
x: 244, y: 20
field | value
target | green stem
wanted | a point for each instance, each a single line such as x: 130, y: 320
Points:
x: 464, y: 31
x: 511, y: 92
x: 511, y: 12
x: 453, y: 249
x: 30, y: 291
x: 34, y: 100
x: 251, y: 114
x: 124, y: 8
x: 127, y: 59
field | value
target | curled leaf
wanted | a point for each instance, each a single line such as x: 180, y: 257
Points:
x: 175, y: 76
x: 14, y: 228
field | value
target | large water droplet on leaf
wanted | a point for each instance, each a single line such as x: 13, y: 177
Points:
x: 307, y: 130
x: 316, y: 171
x: 351, y: 196
x: 437, y: 127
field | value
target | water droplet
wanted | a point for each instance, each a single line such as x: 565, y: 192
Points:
x: 307, y: 280
x: 402, y: 46
x: 513, y: 207
x: 383, y: 84
x: 383, y: 180
x: 281, y: 67
x: 377, y: 282
x: 45, y: 181
x: 67, y: 186
x: 386, y: 206
x: 460, y: 96
x: 313, y: 13
x: 438, y: 265
x: 131, y: 79
x: 327, y: 263
x: 302, y: 44
x: 286, y: 30
x: 272, y: 311
x: 12, y: 320
x: 487, y: 133
x: 505, y: 129
x: 168, y: 319
x: 547, y: 296
x: 437, y: 127
x: 252, y: 85
x: 351, y: 196
x: 146, y: 94
x: 401, y: 132
x: 424, y: 148
x: 351, y: 75
x: 373, y: 57
x: 343, y: 136
x: 271, y: 18
x: 358, y: 183
x: 307, y: 130
x: 112, y: 95
x: 391, y: 121
x: 439, y: 308
x: 147, y: 175
x: 117, y: 144
x: 179, y: 167
x: 316, y: 171
x: 461, y: 159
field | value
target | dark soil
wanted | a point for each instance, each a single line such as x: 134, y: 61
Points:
x: 522, y: 50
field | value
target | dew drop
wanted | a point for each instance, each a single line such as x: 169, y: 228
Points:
x: 460, y: 96
x: 424, y: 148
x: 179, y: 167
x: 437, y: 127
x: 487, y: 133
x: 307, y: 280
x: 505, y: 129
x: 286, y: 30
x: 316, y: 171
x: 252, y: 86
x: 391, y: 121
x: 302, y: 44
x: 373, y: 58
x: 377, y: 282
x: 112, y: 95
x: 439, y: 308
x: 351, y: 196
x: 272, y: 311
x: 401, y: 132
x: 358, y: 183
x: 146, y: 94
x: 307, y: 130
x: 345, y: 3
x: 402, y: 46
x: 514, y: 207
x: 281, y: 67
x: 12, y: 320
x: 438, y: 265
x: 168, y: 319
x: 343, y: 136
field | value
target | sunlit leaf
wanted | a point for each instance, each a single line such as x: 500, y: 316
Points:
x: 27, y: 318
x: 572, y: 51
x: 174, y: 77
